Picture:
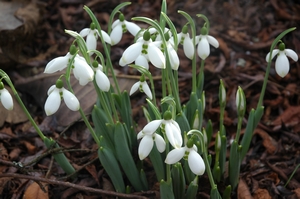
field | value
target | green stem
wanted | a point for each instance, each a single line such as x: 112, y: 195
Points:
x: 239, y: 127
x: 200, y: 75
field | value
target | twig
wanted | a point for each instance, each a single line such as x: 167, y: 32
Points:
x: 83, y: 188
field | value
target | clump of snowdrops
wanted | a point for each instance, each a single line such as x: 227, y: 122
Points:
x: 174, y: 139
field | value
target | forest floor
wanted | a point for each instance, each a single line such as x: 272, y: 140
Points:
x: 245, y: 31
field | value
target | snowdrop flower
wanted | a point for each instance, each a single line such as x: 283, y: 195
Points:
x: 282, y: 65
x: 82, y: 71
x: 172, y: 130
x: 190, y: 153
x: 91, y: 35
x: 5, y: 97
x: 143, y: 86
x: 204, y: 39
x: 174, y: 60
x: 149, y: 136
x: 143, y: 46
x: 101, y: 79
x: 55, y: 94
x: 120, y: 26
x: 186, y: 41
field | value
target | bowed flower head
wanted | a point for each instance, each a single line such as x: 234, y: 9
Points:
x: 143, y: 47
x: 81, y: 70
x: 172, y: 130
x: 55, y: 94
x: 143, y: 86
x: 120, y: 26
x: 204, y: 39
x: 149, y: 136
x: 190, y: 153
x: 91, y: 35
x: 101, y: 79
x: 282, y: 65
x: 186, y: 41
x: 5, y: 97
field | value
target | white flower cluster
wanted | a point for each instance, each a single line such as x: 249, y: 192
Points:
x: 173, y: 134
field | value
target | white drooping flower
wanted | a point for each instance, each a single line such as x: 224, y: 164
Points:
x: 195, y: 161
x: 172, y: 130
x: 55, y: 94
x: 186, y: 41
x: 143, y: 86
x: 91, y: 35
x: 282, y: 65
x: 82, y: 71
x: 204, y: 40
x: 120, y: 26
x: 144, y: 46
x: 5, y: 97
x: 101, y: 79
x: 149, y: 136
x: 174, y: 59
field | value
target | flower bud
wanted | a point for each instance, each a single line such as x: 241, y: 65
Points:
x: 240, y: 102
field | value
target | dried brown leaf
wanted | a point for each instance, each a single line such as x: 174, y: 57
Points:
x: 34, y: 191
x: 262, y: 193
x: 243, y: 190
x: 269, y: 143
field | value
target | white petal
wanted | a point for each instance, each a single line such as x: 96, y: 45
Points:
x: 6, y: 99
x: 196, y: 163
x: 131, y: 53
x: 274, y: 53
x: 292, y: 54
x: 115, y: 23
x: 160, y: 143
x: 282, y: 65
x: 212, y: 41
x: 140, y: 135
x: 102, y: 80
x: 173, y: 134
x: 145, y: 147
x: 83, y: 72
x: 132, y: 27
x: 52, y: 88
x: 84, y: 32
x: 151, y: 127
x: 203, y: 48
x: 146, y: 89
x: 156, y: 56
x: 116, y: 35
x: 70, y: 100
x: 188, y: 48
x: 57, y: 64
x: 105, y: 36
x: 141, y: 60
x: 173, y: 58
x: 175, y: 155
x: 53, y: 102
x: 134, y: 87
x: 91, y: 42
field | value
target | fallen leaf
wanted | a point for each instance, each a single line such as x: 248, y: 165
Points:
x: 243, y: 190
x: 34, y: 191
x: 262, y: 193
x: 268, y: 142
x: 290, y: 117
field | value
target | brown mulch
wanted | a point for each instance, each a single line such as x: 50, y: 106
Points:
x: 245, y: 31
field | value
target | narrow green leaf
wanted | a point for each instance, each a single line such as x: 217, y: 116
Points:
x: 178, y: 180
x: 157, y: 162
x: 227, y: 192
x: 166, y: 190
x: 111, y: 166
x: 125, y: 157
x: 192, y: 189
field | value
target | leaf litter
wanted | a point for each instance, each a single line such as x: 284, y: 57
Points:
x: 245, y: 39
